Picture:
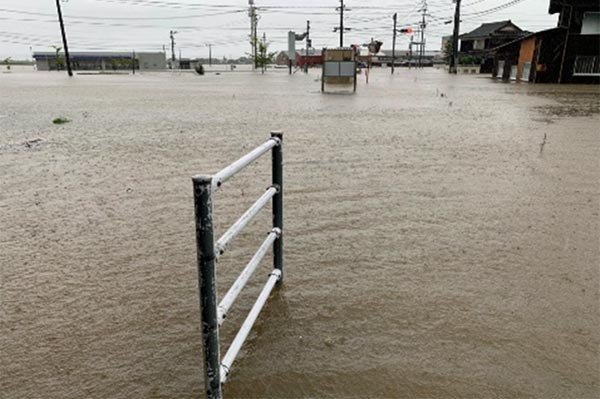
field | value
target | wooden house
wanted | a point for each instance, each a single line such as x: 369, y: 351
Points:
x: 569, y: 53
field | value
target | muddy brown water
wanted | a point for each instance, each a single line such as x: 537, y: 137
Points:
x: 433, y: 248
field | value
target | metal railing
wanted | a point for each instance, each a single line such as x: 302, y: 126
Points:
x: 213, y: 314
x: 586, y: 65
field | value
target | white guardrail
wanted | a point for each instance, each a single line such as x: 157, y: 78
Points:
x: 216, y: 370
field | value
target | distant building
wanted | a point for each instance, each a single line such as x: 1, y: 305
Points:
x: 100, y: 61
x: 489, y: 35
x: 151, y: 61
x: 445, y: 43
x: 477, y: 43
x: 569, y: 53
x: 188, y: 63
x: 282, y: 58
x: 446, y: 48
x: 313, y: 58
x: 408, y: 58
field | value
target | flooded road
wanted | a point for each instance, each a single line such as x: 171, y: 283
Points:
x: 442, y: 236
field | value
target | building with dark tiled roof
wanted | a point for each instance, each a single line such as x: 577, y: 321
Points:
x: 489, y: 35
x: 568, y: 53
x: 476, y: 44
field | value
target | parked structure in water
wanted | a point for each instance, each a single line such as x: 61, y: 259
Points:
x: 569, y: 53
x: 339, y: 67
x: 100, y: 61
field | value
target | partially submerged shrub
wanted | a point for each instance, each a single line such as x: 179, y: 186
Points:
x: 60, y: 121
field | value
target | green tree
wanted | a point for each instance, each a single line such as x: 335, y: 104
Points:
x: 7, y: 63
x: 448, y: 51
x: 263, y: 56
x: 58, y: 58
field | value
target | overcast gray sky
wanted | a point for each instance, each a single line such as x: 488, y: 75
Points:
x: 144, y: 25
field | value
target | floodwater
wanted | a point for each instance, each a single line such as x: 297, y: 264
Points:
x: 441, y: 236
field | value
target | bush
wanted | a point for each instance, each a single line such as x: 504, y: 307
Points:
x: 469, y: 60
x: 60, y: 121
x: 199, y: 69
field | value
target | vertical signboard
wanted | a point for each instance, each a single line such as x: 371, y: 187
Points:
x: 292, y: 46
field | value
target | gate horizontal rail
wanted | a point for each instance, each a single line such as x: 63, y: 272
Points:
x: 226, y: 173
x: 213, y: 315
x: 243, y: 221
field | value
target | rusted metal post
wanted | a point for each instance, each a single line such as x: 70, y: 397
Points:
x: 207, y: 285
x: 277, y: 157
x: 356, y: 76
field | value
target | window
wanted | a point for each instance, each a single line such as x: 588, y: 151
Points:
x: 479, y: 45
x: 591, y: 23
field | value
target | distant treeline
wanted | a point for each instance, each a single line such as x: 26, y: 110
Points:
x: 16, y: 62
x: 217, y: 61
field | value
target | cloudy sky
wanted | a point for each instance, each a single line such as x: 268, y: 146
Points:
x: 144, y: 25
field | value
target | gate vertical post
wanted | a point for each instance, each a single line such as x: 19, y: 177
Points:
x: 277, y: 157
x: 207, y: 285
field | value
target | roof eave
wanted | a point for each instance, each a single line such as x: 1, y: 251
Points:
x: 554, y: 7
x: 520, y: 39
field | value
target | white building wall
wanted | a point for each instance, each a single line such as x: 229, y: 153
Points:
x: 152, y: 61
x: 42, y: 65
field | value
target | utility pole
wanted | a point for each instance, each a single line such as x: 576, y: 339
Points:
x: 64, y: 38
x: 263, y: 54
x: 253, y: 32
x: 423, y: 26
x: 453, y: 68
x: 133, y: 61
x: 395, y: 17
x: 564, y: 51
x: 341, y: 28
x: 307, y: 46
x: 255, y: 35
x: 342, y: 6
x: 172, y: 36
x: 210, y: 54
x: 410, y: 51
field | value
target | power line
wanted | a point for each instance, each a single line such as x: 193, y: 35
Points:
x: 495, y: 9
x: 176, y: 4
x: 168, y: 4
x: 473, y: 3
x: 372, y: 18
x: 341, y: 27
x: 194, y: 16
x: 117, y: 24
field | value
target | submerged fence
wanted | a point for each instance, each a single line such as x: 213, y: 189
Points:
x: 216, y: 370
